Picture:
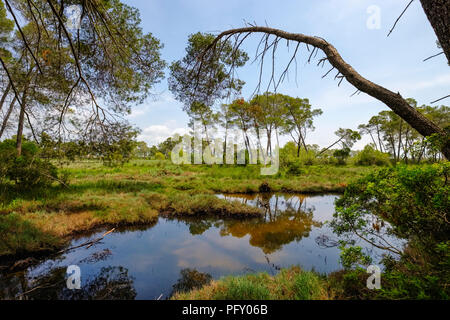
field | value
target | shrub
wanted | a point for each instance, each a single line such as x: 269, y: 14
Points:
x: 293, y: 162
x: 27, y: 170
x: 371, y: 157
x: 414, y: 201
x: 295, y: 168
x: 159, y: 156
x: 342, y: 155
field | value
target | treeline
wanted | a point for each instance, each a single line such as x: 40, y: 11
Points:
x: 391, y: 134
x: 267, y: 117
x: 261, y: 122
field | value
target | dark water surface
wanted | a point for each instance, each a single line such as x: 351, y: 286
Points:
x: 174, y: 254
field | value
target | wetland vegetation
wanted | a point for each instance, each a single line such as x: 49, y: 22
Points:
x: 200, y: 216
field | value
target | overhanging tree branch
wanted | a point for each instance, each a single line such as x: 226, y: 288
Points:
x: 391, y: 99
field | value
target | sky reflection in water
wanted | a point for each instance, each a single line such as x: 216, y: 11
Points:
x: 145, y: 263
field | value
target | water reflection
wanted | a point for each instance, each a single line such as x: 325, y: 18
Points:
x: 191, y: 279
x: 110, y: 283
x: 174, y: 255
x: 286, y: 219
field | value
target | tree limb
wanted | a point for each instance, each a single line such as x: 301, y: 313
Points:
x: 393, y: 100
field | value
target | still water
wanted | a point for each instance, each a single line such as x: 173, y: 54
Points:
x: 173, y: 254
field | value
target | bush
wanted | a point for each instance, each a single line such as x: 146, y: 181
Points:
x: 28, y: 170
x: 414, y: 201
x: 371, y: 157
x: 159, y: 156
x: 294, y: 167
x: 293, y: 162
x: 342, y: 155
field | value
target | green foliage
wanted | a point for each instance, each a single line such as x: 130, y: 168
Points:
x: 243, y: 288
x: 342, y: 155
x: 353, y: 256
x: 411, y: 203
x: 159, y: 156
x: 167, y: 146
x: 115, y: 145
x: 294, y: 161
x: 28, y: 170
x: 18, y: 236
x: 390, y: 133
x: 6, y: 27
x: 192, y: 82
x: 76, y: 89
x: 371, y: 157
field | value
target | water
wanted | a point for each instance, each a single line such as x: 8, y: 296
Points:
x: 148, y: 263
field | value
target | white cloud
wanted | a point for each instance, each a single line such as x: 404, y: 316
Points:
x: 158, y: 133
x: 163, y: 101
x: 410, y: 87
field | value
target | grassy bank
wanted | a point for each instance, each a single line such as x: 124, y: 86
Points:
x: 289, y: 284
x: 137, y: 193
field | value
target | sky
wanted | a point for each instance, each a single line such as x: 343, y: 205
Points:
x: 357, y: 28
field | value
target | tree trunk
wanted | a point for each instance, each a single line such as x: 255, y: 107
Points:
x: 438, y: 13
x: 379, y: 139
x: 5, y: 94
x: 8, y: 114
x: 19, y: 138
x: 331, y: 146
x: 303, y: 140
x: 373, y: 140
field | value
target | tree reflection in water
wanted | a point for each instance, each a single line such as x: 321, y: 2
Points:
x: 109, y: 283
x: 286, y: 219
x: 190, y: 279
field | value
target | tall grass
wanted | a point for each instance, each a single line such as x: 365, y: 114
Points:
x: 289, y: 284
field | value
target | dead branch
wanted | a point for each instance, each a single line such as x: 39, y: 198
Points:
x: 448, y: 96
x: 87, y: 244
x: 435, y: 55
x: 398, y: 19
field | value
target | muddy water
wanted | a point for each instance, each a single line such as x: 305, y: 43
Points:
x: 173, y: 255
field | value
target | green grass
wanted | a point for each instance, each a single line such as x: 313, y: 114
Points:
x: 289, y: 284
x: 18, y: 236
x: 139, y: 192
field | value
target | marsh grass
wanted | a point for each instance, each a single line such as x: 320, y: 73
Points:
x: 289, y: 284
x: 137, y: 193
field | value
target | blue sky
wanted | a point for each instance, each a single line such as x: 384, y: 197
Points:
x: 394, y: 62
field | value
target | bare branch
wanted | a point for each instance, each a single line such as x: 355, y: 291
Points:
x: 396, y: 21
x: 22, y: 34
x: 435, y: 55
x: 440, y: 99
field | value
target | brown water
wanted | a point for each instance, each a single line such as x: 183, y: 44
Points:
x: 176, y: 254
